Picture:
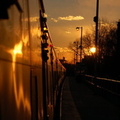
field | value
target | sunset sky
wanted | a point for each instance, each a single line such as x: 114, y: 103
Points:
x: 65, y: 15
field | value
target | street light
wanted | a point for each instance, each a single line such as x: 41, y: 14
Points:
x: 81, y: 32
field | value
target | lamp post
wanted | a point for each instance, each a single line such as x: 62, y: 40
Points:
x: 81, y: 33
x: 76, y: 51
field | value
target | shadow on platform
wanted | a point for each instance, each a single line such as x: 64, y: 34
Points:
x: 79, y: 102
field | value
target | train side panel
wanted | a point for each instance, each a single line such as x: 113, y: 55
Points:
x: 15, y: 67
x: 29, y: 86
x: 36, y: 60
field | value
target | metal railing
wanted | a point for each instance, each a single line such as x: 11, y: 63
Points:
x: 109, y: 85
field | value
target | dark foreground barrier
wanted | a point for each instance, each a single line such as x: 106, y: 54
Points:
x: 108, y: 87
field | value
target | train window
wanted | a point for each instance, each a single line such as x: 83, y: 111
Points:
x: 5, y: 4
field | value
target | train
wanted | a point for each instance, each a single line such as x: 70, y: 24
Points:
x: 31, y: 74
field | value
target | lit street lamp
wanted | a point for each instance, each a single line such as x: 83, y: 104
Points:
x: 81, y: 32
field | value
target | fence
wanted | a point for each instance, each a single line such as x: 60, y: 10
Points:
x: 103, y: 84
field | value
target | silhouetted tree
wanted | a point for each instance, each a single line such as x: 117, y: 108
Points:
x: 107, y: 39
x: 75, y: 46
x: 108, y: 52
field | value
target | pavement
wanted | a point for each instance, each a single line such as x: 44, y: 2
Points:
x: 80, y: 102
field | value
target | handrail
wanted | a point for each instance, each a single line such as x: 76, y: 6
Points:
x: 112, y: 80
x: 105, y: 79
x: 110, y: 85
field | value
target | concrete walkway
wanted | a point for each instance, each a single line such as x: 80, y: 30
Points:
x: 79, y: 102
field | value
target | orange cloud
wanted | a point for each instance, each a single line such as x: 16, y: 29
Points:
x: 71, y: 18
x: 68, y: 18
x: 64, y: 52
x: 54, y: 20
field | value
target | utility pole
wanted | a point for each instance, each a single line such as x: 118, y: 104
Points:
x: 96, y: 20
x: 81, y: 44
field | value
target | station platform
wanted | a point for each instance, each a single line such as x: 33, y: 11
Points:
x: 80, y: 102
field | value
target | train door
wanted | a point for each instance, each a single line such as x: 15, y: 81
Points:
x: 34, y: 97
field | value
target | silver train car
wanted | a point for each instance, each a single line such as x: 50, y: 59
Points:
x: 30, y: 73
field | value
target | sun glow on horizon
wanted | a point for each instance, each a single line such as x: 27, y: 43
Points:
x: 92, y: 49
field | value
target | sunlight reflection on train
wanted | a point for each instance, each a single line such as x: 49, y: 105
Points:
x: 19, y: 92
